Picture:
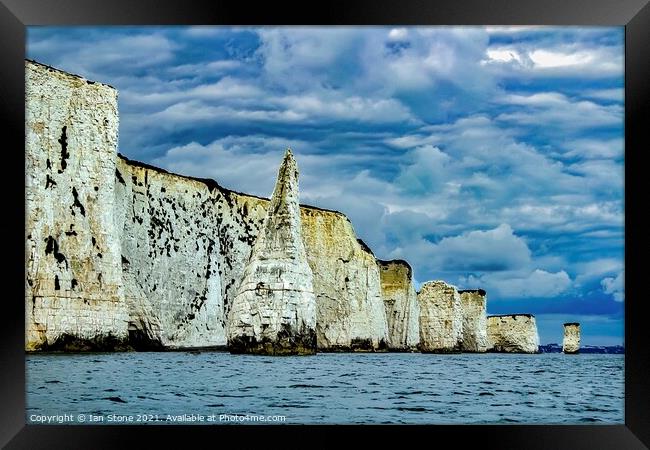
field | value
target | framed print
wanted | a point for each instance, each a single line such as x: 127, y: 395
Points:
x: 241, y: 221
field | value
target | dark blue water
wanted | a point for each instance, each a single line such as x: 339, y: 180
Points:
x: 326, y: 388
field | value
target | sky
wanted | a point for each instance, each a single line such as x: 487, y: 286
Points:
x: 488, y: 157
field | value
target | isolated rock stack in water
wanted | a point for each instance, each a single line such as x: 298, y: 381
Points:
x: 571, y: 341
x: 473, y: 303
x: 441, y: 318
x: 274, y: 311
x: 514, y: 333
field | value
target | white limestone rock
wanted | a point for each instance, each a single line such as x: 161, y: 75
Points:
x: 274, y: 311
x: 514, y: 333
x: 345, y: 276
x: 401, y: 305
x: 173, y: 248
x: 173, y: 258
x: 473, y: 303
x: 571, y: 340
x: 74, y: 293
x: 441, y: 318
x: 350, y: 314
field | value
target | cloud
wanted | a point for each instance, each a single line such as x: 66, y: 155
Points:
x: 603, y: 275
x: 614, y: 95
x: 615, y: 286
x: 231, y: 161
x: 204, y: 31
x: 557, y: 110
x: 551, y: 53
x: 596, y: 148
x: 426, y: 173
x: 492, y: 250
x: 398, y: 34
x: 206, y: 68
x: 513, y: 30
x: 552, y: 59
x: 537, y: 283
x: 93, y: 58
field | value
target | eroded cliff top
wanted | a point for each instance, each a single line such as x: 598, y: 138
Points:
x: 574, y: 324
x: 514, y: 316
x: 212, y: 185
x: 473, y: 291
x: 63, y: 72
x: 398, y: 262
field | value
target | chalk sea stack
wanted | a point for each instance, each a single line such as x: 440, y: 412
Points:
x: 274, y: 310
x: 513, y: 333
x: 401, y: 304
x: 441, y: 318
x: 473, y: 303
x: 571, y: 341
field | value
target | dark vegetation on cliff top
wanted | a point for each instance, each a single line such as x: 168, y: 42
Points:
x: 477, y: 291
x: 514, y: 316
x: 54, y: 69
x: 400, y: 262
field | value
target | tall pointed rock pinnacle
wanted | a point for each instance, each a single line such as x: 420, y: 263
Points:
x: 274, y: 310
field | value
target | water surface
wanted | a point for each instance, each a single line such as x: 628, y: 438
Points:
x: 328, y: 388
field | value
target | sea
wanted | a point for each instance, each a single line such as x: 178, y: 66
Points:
x: 217, y: 388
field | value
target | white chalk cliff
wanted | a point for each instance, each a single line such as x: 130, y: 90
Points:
x: 74, y: 283
x: 274, y: 310
x: 514, y: 333
x: 121, y: 254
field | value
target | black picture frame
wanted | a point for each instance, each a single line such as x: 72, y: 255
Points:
x: 15, y: 15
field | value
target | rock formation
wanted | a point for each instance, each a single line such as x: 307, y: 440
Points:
x: 401, y: 305
x: 441, y: 318
x: 135, y: 225
x: 514, y: 333
x: 74, y: 288
x: 122, y: 254
x: 473, y: 303
x: 349, y: 309
x: 274, y: 311
x: 571, y: 341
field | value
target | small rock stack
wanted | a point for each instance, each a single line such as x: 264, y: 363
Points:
x: 571, y: 341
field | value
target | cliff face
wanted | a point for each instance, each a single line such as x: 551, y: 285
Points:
x: 74, y: 286
x: 274, y: 311
x: 154, y: 258
x: 441, y: 318
x: 516, y: 333
x: 170, y: 221
x: 121, y: 254
x: 473, y: 303
x: 400, y: 303
x: 184, y: 244
x: 349, y: 309
x: 571, y: 340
